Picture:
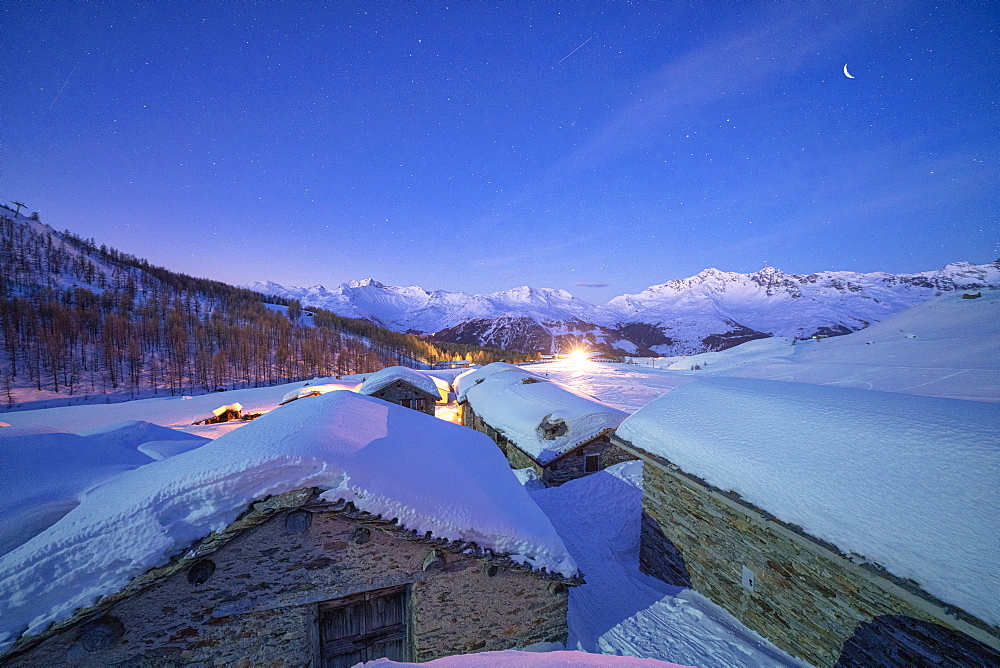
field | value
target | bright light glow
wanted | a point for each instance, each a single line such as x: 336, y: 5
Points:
x: 579, y: 356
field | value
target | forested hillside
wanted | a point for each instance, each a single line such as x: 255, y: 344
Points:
x: 81, y: 319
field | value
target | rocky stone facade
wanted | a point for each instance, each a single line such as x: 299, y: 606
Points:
x: 404, y: 394
x: 594, y: 455
x: 799, y: 593
x: 253, y: 596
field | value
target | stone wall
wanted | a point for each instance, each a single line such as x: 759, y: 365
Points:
x: 792, y: 589
x: 398, y: 392
x: 570, y: 466
x: 254, y: 600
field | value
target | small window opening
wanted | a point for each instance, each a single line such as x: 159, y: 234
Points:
x: 592, y: 464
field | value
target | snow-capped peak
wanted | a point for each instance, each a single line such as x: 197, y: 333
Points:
x: 366, y: 283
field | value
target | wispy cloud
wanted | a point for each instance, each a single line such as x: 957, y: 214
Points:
x: 584, y: 284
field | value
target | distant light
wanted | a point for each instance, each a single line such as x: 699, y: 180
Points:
x: 579, y: 356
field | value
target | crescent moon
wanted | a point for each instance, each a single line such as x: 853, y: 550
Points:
x: 846, y: 73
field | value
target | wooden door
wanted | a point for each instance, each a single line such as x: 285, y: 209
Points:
x: 364, y: 627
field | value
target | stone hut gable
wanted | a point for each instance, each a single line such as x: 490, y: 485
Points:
x: 251, y: 591
x: 418, y: 380
x: 575, y: 451
x: 404, y: 394
x: 403, y: 386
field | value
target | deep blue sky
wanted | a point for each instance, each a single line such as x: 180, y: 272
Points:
x: 480, y: 146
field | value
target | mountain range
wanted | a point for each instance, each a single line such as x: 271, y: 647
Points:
x: 713, y: 310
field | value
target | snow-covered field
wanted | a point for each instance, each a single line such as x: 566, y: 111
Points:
x: 628, y: 387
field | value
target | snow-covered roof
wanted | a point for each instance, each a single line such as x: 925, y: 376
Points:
x: 443, y: 386
x: 389, y: 375
x: 542, y: 418
x: 355, y: 447
x: 308, y: 390
x: 906, y: 481
x: 468, y: 379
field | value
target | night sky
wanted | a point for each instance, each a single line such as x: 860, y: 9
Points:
x: 595, y: 147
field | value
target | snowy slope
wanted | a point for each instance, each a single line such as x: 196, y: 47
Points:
x: 413, y: 308
x: 945, y: 347
x: 360, y: 449
x: 521, y: 318
x: 711, y: 311
x: 82, y: 269
x: 908, y: 482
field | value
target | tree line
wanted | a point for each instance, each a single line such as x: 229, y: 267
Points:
x: 77, y: 318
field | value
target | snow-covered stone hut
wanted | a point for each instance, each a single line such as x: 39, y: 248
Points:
x: 849, y: 527
x: 544, y: 426
x: 225, y: 413
x: 302, y: 538
x: 403, y: 386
